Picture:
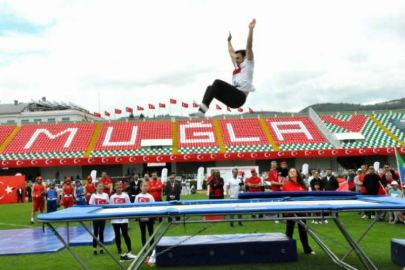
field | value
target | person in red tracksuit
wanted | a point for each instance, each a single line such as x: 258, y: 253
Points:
x: 90, y: 189
x: 155, y: 187
x: 68, y: 194
x: 296, y: 183
x: 274, y: 177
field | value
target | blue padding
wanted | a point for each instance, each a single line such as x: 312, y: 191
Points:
x: 226, y: 249
x: 278, y: 194
x: 398, y: 251
x: 37, y: 241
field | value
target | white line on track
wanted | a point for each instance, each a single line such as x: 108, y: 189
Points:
x: 16, y: 225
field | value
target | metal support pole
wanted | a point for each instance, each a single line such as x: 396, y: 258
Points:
x: 102, y: 245
x: 67, y: 233
x: 67, y: 246
x: 361, y: 237
x: 368, y: 264
x: 325, y: 248
x: 136, y: 264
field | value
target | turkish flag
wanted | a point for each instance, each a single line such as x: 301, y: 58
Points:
x: 218, y: 107
x: 107, y: 113
x: 251, y: 111
x: 185, y: 105
x: 151, y: 107
x: 96, y: 114
x: 173, y: 101
x: 118, y: 111
x: 228, y: 109
x: 85, y: 117
x: 195, y: 105
x: 128, y: 109
x: 9, y: 186
x: 162, y: 105
x: 139, y: 108
x: 240, y: 109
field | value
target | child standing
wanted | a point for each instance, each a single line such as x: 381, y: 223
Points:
x: 394, y: 192
x: 121, y: 225
x: 52, y: 198
x: 145, y: 197
x: 98, y: 225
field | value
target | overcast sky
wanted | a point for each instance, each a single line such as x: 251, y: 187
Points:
x: 139, y: 52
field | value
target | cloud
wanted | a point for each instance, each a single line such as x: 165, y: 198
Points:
x: 135, y: 53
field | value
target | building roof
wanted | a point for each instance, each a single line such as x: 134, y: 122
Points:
x: 12, y: 108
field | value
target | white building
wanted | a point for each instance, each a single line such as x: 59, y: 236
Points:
x: 43, y: 112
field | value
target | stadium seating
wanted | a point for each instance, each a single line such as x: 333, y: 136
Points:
x: 50, y: 140
x: 296, y: 133
x: 197, y: 137
x: 5, y: 131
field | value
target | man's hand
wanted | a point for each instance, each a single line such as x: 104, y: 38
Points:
x: 251, y: 25
x: 229, y: 37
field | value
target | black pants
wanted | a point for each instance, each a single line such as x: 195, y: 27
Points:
x: 226, y: 93
x: 118, y: 229
x: 20, y: 198
x: 51, y: 206
x: 98, y: 230
x: 301, y: 231
x: 142, y: 226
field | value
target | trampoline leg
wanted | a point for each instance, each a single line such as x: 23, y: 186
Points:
x: 368, y: 264
x: 360, y: 238
x: 137, y: 263
x: 101, y: 245
x: 67, y: 246
x: 67, y: 233
x: 325, y: 248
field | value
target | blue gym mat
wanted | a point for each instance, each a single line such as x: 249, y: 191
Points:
x: 34, y: 241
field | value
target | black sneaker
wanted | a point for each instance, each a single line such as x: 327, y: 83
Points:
x: 240, y: 224
x: 95, y: 252
x: 101, y: 251
x: 124, y: 258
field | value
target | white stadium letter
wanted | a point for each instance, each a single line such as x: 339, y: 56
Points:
x: 107, y: 140
x: 241, y: 139
x: 72, y: 131
x: 199, y: 137
x: 280, y: 132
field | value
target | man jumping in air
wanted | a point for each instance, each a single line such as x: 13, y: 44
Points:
x: 233, y: 96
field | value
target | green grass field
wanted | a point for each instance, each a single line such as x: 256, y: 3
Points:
x: 376, y: 244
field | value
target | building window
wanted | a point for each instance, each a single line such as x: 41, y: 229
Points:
x: 10, y: 122
x: 37, y: 120
x: 65, y: 119
x: 53, y: 120
x: 25, y: 121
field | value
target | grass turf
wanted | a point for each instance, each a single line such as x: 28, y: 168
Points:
x: 376, y: 244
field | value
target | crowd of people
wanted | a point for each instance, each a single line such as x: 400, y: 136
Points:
x: 151, y: 189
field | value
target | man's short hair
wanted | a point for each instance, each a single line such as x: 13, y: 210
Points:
x: 388, y: 173
x: 242, y: 52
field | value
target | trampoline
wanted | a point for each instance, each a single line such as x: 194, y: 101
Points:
x: 294, y: 203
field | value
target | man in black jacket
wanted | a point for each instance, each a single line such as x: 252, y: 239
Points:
x: 331, y: 183
x: 387, y: 168
x: 134, y: 186
x: 372, y: 184
x: 173, y: 189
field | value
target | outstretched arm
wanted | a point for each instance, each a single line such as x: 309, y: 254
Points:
x: 231, y: 50
x: 249, y: 51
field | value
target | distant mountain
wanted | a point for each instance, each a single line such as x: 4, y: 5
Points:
x: 343, y: 107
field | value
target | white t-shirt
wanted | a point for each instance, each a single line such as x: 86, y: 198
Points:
x: 118, y: 199
x: 97, y: 199
x: 234, y: 186
x: 144, y: 198
x: 243, y: 76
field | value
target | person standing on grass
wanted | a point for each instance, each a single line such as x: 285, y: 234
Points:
x: 98, y: 225
x: 68, y: 193
x: 296, y: 183
x: 155, y: 187
x: 121, y: 225
x: 37, y: 194
x: 371, y: 184
x: 107, y: 182
x: 254, y: 183
x: 52, y: 194
x: 233, y: 187
x: 216, y: 186
x: 90, y: 188
x: 20, y: 193
x: 145, y: 222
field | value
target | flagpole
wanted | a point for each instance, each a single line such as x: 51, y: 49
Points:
x: 399, y: 171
